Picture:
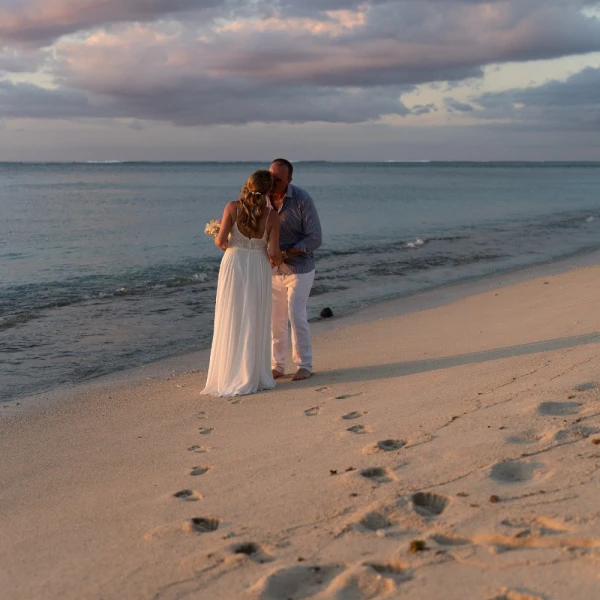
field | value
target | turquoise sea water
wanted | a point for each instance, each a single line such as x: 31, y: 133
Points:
x: 105, y: 266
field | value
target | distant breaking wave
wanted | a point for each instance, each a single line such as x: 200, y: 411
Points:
x: 103, y: 162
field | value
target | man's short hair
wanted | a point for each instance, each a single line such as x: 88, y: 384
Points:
x: 287, y: 163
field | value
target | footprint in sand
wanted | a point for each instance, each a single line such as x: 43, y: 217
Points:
x: 378, y: 474
x: 206, y: 430
x: 296, y: 582
x: 322, y: 388
x: 538, y: 526
x: 506, y: 594
x: 353, y: 415
x: 574, y: 434
x: 384, y: 446
x: 586, y: 387
x: 312, y: 412
x: 558, y: 409
x: 359, y: 429
x: 203, y: 524
x: 375, y: 520
x: 253, y: 551
x: 201, y: 415
x: 189, y: 495
x: 450, y: 540
x: 391, y: 445
x: 369, y: 580
x: 529, y: 436
x: 392, y: 570
x: 429, y: 504
x: 346, y: 396
x: 194, y: 525
x: 199, y: 471
x: 514, y: 471
x: 198, y: 449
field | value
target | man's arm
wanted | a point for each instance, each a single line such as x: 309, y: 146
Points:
x: 312, y: 228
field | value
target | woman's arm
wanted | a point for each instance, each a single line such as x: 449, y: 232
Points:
x: 273, y: 237
x: 226, y: 225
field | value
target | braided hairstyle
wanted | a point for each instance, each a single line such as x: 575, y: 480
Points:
x: 253, y: 197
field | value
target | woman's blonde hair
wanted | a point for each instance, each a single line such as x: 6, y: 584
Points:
x: 253, y: 198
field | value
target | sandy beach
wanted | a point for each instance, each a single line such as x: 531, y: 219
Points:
x: 451, y: 452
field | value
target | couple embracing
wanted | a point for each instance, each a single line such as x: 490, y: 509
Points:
x: 265, y: 278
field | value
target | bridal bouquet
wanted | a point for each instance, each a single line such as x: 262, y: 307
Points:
x: 213, y: 227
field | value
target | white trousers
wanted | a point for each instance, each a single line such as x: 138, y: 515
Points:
x: 290, y: 296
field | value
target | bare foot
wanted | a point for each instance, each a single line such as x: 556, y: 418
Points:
x: 277, y: 374
x: 301, y: 374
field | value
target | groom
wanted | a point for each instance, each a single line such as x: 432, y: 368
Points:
x: 300, y: 235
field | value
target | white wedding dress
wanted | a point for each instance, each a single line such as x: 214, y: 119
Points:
x: 240, y: 357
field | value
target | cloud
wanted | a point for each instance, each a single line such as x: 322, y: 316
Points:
x: 423, y: 109
x: 15, y: 61
x: 25, y: 100
x: 203, y: 102
x: 401, y: 42
x: 183, y: 84
x: 136, y: 126
x: 453, y: 104
x: 40, y: 22
x: 571, y: 104
x: 337, y: 61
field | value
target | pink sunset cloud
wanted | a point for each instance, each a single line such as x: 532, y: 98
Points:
x: 39, y: 22
x: 316, y: 60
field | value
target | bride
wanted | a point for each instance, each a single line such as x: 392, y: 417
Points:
x: 240, y: 357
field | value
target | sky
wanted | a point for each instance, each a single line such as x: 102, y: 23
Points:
x: 305, y: 79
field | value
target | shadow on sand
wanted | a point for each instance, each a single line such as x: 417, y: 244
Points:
x: 400, y: 369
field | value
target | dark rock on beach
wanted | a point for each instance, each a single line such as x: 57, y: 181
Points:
x: 326, y: 313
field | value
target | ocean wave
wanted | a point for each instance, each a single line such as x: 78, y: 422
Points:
x: 422, y: 264
x: 395, y: 245
x: 320, y: 288
x: 22, y: 303
x: 9, y: 321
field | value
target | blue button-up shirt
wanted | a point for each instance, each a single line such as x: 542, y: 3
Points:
x: 300, y: 229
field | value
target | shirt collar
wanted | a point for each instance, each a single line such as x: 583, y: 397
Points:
x: 288, y: 194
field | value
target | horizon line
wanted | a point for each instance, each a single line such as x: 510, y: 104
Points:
x: 386, y: 161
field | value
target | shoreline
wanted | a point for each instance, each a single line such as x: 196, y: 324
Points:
x: 197, y: 360
x: 449, y: 452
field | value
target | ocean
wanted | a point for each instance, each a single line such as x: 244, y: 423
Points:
x: 105, y: 266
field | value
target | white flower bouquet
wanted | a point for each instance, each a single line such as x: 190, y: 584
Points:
x: 213, y: 227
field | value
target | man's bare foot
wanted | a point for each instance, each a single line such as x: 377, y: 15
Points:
x: 301, y: 374
x: 277, y: 374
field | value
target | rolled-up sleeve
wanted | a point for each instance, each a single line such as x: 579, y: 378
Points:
x: 313, y: 236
